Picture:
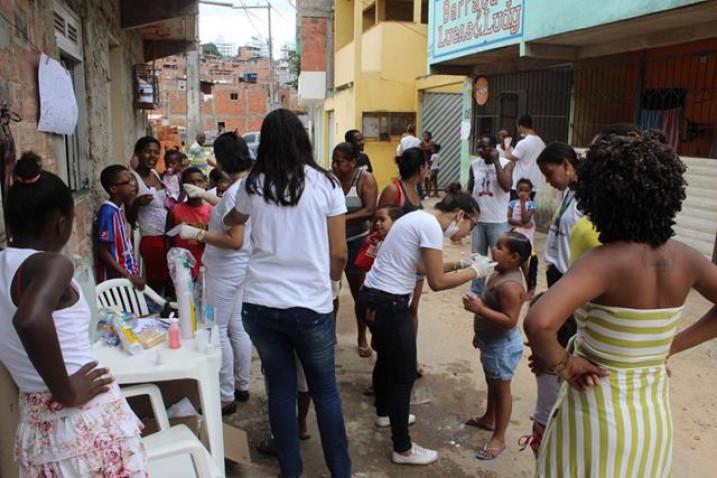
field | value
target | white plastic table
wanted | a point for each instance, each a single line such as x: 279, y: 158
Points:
x: 182, y: 363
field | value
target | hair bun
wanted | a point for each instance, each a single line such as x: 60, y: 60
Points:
x: 28, y: 168
x: 453, y: 188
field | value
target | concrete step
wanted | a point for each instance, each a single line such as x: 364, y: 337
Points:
x: 699, y: 211
x: 697, y: 224
x: 681, y: 231
x: 698, y: 170
x: 700, y: 162
x: 702, y: 182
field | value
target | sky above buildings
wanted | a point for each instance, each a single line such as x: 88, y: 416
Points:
x: 236, y: 25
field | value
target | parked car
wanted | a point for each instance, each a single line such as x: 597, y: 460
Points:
x: 252, y: 140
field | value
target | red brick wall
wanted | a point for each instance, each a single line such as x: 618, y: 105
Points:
x: 313, y: 44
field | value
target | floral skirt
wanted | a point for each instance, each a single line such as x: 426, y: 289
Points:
x: 98, y: 439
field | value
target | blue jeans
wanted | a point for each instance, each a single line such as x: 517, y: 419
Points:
x: 485, y: 235
x: 277, y: 333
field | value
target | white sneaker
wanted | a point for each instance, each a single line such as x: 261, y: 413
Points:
x: 383, y: 422
x: 418, y: 456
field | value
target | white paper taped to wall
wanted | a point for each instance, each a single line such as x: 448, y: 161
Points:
x: 58, y: 105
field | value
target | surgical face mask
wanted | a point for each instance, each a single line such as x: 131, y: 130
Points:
x: 451, y: 230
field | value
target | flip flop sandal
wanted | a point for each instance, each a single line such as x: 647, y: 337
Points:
x: 472, y: 422
x: 487, y: 454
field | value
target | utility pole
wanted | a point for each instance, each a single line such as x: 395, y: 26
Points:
x: 272, y: 93
x: 194, y: 102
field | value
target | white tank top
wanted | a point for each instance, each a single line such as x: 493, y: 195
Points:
x: 152, y: 218
x: 72, y: 325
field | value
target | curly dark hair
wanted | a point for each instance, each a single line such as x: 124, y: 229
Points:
x: 632, y: 187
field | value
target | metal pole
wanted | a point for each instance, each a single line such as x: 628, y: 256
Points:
x: 194, y: 102
x: 271, y: 62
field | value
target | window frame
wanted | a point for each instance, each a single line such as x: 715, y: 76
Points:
x: 386, y: 122
x: 71, y: 151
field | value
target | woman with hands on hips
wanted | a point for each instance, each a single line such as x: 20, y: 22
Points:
x: 612, y: 416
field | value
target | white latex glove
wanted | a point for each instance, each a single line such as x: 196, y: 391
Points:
x: 483, y: 266
x: 195, y: 191
x: 467, y: 261
x: 188, y: 232
x: 335, y: 288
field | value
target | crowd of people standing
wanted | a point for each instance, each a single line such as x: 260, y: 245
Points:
x: 275, y: 242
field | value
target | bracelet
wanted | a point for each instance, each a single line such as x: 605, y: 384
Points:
x: 562, y: 364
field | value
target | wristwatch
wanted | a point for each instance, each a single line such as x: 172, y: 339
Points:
x: 200, y: 235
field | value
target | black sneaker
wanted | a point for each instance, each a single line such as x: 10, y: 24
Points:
x: 241, y: 395
x: 229, y: 409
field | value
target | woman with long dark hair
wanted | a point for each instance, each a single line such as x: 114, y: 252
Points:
x: 298, y: 254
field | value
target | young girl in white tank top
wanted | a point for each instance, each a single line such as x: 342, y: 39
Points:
x: 73, y: 419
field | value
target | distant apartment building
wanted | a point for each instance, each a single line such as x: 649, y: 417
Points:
x: 235, y: 91
x: 227, y: 49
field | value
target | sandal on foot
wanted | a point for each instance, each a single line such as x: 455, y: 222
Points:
x: 364, y: 351
x: 487, y: 454
x: 473, y: 422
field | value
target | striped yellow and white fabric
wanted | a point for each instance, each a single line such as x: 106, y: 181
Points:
x: 623, y: 427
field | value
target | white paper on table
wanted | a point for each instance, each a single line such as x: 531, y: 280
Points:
x: 58, y: 105
x: 465, y: 129
x: 174, y: 231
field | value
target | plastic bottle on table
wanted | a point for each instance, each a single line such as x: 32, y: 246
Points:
x: 187, y: 319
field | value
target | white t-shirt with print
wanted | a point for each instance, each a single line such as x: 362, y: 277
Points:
x: 289, y: 264
x: 527, y: 151
x: 223, y: 262
x: 394, y: 269
x: 152, y: 218
x: 492, y: 199
x: 557, y: 245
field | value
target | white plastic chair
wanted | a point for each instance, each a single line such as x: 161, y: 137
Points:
x: 173, y: 451
x: 121, y: 293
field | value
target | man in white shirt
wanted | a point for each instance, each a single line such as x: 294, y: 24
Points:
x: 408, y: 141
x: 489, y: 180
x: 524, y: 155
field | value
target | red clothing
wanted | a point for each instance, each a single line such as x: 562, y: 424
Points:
x: 193, y: 216
x: 154, y: 253
x: 368, y: 251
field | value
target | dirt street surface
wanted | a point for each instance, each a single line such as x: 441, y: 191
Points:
x: 454, y: 389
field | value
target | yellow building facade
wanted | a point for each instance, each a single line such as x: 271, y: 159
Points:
x: 380, y: 68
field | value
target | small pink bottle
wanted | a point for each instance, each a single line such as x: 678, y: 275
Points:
x: 173, y: 340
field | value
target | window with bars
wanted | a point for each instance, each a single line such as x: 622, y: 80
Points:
x: 68, y: 35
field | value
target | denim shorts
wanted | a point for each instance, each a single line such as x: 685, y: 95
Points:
x: 353, y: 249
x: 500, y: 356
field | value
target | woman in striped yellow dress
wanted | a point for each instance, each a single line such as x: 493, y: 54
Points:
x: 612, y: 417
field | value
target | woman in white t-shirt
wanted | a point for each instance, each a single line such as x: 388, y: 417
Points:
x: 298, y: 238
x: 414, y: 242
x: 226, y: 257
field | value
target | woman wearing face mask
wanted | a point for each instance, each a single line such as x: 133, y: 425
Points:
x: 414, y: 243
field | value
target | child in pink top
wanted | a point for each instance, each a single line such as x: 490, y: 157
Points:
x: 194, y: 212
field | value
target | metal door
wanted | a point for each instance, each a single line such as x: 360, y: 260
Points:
x: 441, y: 115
